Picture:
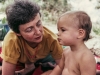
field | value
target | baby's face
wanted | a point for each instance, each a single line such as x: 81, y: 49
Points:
x: 67, y: 30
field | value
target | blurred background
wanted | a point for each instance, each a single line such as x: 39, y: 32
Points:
x: 52, y: 9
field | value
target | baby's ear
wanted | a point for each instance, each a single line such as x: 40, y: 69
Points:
x: 81, y: 33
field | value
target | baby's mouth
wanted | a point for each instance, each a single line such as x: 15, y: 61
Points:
x: 59, y: 39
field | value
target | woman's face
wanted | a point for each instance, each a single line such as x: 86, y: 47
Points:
x: 32, y: 31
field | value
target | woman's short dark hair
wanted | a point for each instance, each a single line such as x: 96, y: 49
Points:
x: 21, y: 12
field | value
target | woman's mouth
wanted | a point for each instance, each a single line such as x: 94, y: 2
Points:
x: 37, y: 38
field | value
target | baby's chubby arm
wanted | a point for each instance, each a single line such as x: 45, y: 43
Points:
x: 59, y: 68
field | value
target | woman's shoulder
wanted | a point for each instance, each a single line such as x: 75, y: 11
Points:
x: 10, y: 35
x: 11, y: 38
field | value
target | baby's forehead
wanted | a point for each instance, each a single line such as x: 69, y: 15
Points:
x: 68, y: 17
x: 75, y: 15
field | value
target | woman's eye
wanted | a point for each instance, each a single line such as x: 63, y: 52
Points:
x: 29, y: 30
x: 39, y: 24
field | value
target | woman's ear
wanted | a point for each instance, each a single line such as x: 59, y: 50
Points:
x: 81, y: 33
x: 18, y: 34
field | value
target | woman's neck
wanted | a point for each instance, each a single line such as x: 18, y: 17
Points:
x: 32, y: 44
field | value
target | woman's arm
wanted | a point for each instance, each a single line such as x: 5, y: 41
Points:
x: 28, y: 68
x: 8, y: 68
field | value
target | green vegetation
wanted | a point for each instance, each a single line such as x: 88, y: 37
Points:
x: 98, y: 5
x: 3, y: 4
x: 50, y: 9
x: 2, y: 1
x: 4, y: 20
x: 96, y: 30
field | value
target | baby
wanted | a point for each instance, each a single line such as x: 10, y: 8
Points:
x: 73, y: 29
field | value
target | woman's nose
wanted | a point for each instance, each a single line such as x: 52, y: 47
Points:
x: 37, y: 30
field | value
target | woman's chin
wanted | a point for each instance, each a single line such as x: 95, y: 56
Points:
x: 39, y: 41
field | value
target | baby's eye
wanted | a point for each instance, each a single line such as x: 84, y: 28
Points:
x: 62, y: 30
